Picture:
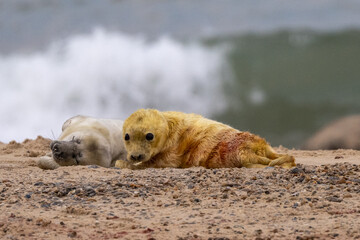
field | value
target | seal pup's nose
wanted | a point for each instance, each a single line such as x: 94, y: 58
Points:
x: 63, y: 149
x: 55, y: 148
x: 137, y: 157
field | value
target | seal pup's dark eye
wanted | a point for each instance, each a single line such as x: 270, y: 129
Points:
x: 149, y: 136
x: 127, y: 137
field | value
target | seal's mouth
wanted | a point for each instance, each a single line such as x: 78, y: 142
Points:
x: 137, y: 159
x: 138, y: 163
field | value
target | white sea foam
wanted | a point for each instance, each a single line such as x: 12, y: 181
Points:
x: 105, y: 74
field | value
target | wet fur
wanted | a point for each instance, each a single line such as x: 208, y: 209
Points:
x: 185, y: 140
x: 99, y: 142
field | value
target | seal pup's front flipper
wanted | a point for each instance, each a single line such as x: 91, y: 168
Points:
x: 47, y: 163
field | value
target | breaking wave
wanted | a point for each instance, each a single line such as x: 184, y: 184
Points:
x: 106, y: 74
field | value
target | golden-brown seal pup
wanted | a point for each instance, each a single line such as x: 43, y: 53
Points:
x: 173, y: 139
x: 86, y: 141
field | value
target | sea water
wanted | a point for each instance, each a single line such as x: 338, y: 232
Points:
x: 105, y: 74
x: 277, y: 68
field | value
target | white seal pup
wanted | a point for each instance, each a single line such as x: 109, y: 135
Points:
x: 86, y: 141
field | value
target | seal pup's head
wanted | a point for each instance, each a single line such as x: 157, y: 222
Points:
x: 144, y: 133
x: 79, y: 149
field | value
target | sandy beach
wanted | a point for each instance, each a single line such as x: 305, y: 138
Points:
x: 318, y: 199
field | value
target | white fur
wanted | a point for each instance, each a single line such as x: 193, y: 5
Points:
x: 87, y: 127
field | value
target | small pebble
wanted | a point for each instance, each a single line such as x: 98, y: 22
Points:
x: 334, y: 199
x: 72, y: 234
x: 93, y: 166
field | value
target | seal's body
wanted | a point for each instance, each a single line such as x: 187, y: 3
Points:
x: 343, y: 133
x: 86, y: 141
x: 174, y: 139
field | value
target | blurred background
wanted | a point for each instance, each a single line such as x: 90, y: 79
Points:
x: 277, y: 68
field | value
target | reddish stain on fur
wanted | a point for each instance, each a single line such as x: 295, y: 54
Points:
x: 228, y: 147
